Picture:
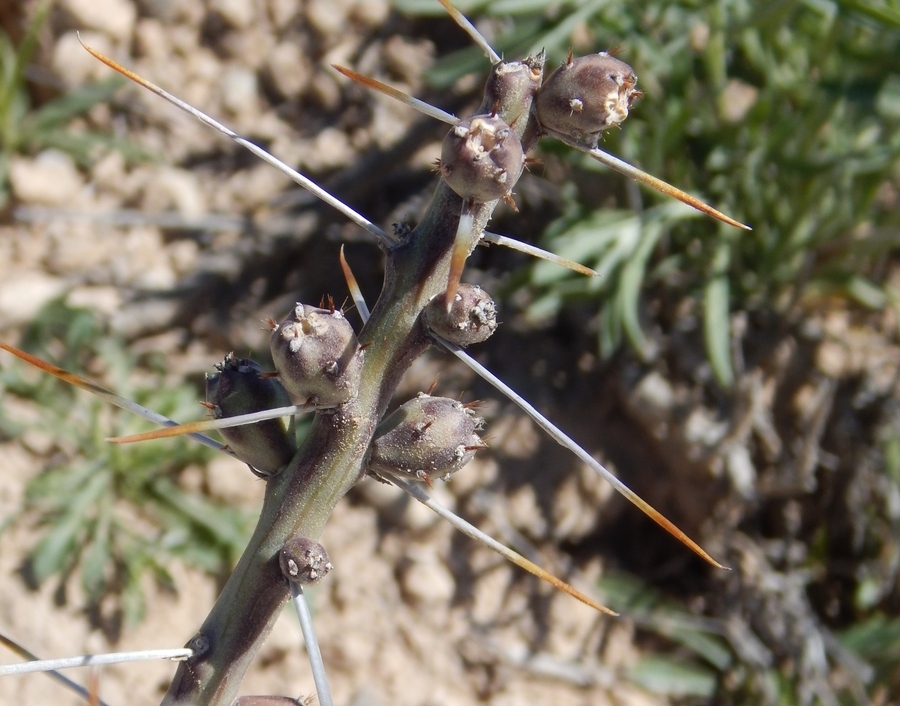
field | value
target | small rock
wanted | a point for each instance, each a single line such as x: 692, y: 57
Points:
x: 23, y: 294
x: 175, y: 188
x: 51, y: 179
x: 832, y: 359
x: 327, y: 17
x: 106, y: 300
x: 406, y: 59
x: 654, y: 395
x: 238, y: 13
x: 741, y: 470
x: 370, y: 13
x: 164, y: 10
x: 426, y: 579
x: 289, y: 69
x: 230, y: 480
x: 114, y: 18
x: 239, y: 91
x: 282, y: 12
x: 331, y: 149
x: 152, y: 39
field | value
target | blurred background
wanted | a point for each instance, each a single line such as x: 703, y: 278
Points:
x: 745, y: 383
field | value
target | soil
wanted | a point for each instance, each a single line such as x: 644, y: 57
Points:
x: 186, y: 251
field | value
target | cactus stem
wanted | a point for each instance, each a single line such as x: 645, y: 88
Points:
x: 601, y: 156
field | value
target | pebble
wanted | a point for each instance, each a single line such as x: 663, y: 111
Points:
x: 832, y: 359
x: 175, y: 188
x: 238, y: 13
x: 370, y: 13
x: 50, y: 179
x: 23, y: 294
x: 239, y: 91
x: 406, y: 59
x: 327, y: 17
x: 74, y: 65
x: 106, y: 300
x: 426, y: 579
x: 282, y: 12
x: 289, y: 69
x: 114, y: 18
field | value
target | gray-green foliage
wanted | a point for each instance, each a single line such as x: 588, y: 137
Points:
x: 110, y: 514
x: 786, y: 115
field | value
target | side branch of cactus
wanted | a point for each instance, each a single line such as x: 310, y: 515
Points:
x: 300, y: 498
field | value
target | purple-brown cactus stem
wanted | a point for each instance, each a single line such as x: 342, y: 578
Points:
x: 332, y: 458
x: 241, y: 387
x: 586, y: 96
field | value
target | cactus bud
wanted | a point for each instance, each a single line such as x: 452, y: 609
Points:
x: 482, y: 158
x: 317, y: 356
x: 240, y: 388
x: 472, y: 316
x: 586, y: 96
x: 427, y: 437
x: 304, y: 561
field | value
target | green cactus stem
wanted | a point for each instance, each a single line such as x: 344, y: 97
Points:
x: 331, y: 460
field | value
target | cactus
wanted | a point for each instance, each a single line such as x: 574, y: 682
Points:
x: 333, y: 457
x: 350, y: 378
x: 428, y: 437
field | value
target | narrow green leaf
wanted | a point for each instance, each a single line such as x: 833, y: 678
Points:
x: 628, y: 296
x: 716, y: 317
x: 866, y: 292
x: 70, y: 105
x: 97, y: 555
x: 672, y: 677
